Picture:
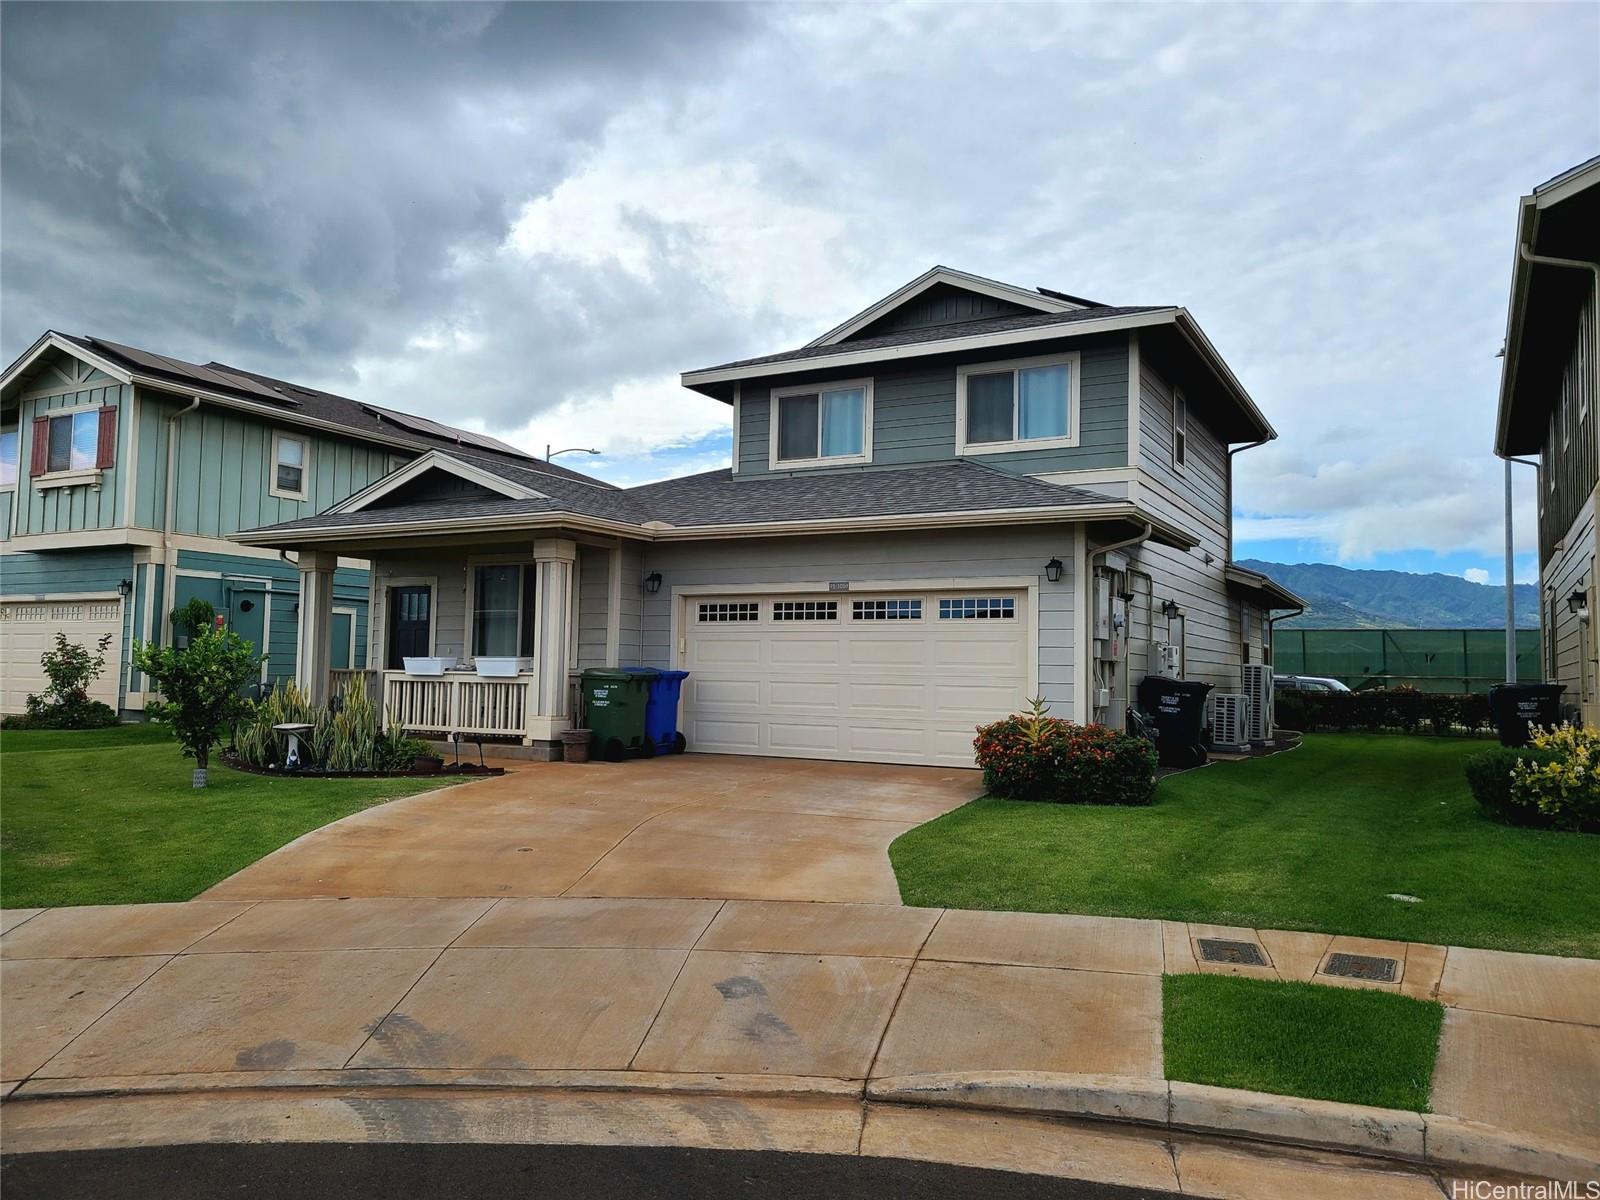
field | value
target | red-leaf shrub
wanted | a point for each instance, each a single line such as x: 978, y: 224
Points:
x: 1035, y: 757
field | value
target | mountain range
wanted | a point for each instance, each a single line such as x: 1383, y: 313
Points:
x: 1345, y: 598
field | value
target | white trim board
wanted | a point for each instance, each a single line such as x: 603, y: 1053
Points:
x: 932, y: 278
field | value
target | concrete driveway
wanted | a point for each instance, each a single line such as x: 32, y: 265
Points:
x: 692, y: 827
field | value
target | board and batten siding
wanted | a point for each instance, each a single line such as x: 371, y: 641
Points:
x: 1196, y: 501
x: 914, y: 413
x: 952, y: 556
x: 79, y: 506
x: 224, y: 470
x: 1571, y: 654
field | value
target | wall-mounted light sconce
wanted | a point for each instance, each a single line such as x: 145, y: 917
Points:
x: 1578, y: 603
x: 1169, y: 609
x: 652, y: 582
x: 125, y: 588
x: 1052, y: 570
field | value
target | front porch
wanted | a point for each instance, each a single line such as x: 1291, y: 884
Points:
x: 482, y: 640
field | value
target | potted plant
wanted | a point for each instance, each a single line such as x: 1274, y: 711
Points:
x: 575, y: 745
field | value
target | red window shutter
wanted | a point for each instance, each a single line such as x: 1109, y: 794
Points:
x: 105, y: 454
x: 40, y: 460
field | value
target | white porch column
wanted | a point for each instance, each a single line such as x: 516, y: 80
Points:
x: 553, y: 559
x: 314, y: 657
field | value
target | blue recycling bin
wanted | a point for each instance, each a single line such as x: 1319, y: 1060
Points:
x: 661, y: 709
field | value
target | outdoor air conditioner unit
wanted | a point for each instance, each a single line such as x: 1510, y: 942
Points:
x: 1257, y: 687
x: 1230, y: 721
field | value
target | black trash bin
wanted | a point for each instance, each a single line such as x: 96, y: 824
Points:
x: 1515, y: 706
x: 1177, y: 709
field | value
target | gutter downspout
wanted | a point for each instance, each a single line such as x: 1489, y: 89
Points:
x: 1232, y: 450
x: 170, y: 584
x: 1087, y: 626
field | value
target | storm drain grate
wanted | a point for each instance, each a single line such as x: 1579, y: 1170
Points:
x: 1243, y: 953
x: 1362, y: 966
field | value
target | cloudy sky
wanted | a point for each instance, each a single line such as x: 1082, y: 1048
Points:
x: 527, y: 219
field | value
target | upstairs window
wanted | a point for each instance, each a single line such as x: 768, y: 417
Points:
x: 70, y: 442
x: 822, y: 425
x: 1180, y: 431
x: 289, y: 462
x: 1027, y: 404
x: 10, y: 440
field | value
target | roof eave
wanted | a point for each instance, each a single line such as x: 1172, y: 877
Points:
x: 1254, y: 581
x: 278, y: 536
x: 1516, y: 306
x: 931, y: 277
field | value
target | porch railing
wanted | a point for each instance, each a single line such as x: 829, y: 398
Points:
x: 458, y: 702
x: 341, y: 681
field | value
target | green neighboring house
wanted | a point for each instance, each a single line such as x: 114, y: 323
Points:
x: 124, y: 475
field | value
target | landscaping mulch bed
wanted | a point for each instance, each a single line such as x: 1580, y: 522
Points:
x: 450, y: 769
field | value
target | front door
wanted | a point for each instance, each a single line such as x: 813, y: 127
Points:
x: 410, y: 618
x: 247, y: 617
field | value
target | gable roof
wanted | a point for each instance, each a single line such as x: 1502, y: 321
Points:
x: 1039, y: 299
x: 278, y: 400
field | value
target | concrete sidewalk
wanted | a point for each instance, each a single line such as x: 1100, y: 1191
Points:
x: 807, y: 999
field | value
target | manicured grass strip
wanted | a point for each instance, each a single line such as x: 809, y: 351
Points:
x: 1313, y: 839
x: 1355, y: 1045
x: 108, y: 816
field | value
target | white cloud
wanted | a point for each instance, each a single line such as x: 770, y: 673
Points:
x: 1475, y: 575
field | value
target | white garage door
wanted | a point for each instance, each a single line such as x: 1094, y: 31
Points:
x: 29, y: 628
x: 900, y: 677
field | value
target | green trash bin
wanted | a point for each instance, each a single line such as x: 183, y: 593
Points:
x: 614, y: 707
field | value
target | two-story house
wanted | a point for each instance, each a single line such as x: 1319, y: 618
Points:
x: 123, y: 477
x: 967, y: 495
x: 1549, y: 388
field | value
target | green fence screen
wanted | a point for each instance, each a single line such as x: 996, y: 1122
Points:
x: 1430, y: 660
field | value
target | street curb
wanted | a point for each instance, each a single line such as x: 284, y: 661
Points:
x: 1426, y: 1139
x: 1416, y: 1139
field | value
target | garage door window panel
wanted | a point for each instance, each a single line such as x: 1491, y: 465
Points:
x: 805, y: 610
x: 721, y: 613
x: 886, y: 610
x: 979, y: 608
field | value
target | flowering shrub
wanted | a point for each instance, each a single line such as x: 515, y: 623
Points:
x: 1565, y: 785
x: 1031, y: 756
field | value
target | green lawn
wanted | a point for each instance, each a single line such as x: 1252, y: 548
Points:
x: 1313, y: 839
x: 1355, y: 1045
x: 109, y: 817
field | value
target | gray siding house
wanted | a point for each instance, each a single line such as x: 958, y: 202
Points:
x: 1549, y: 389
x: 966, y: 495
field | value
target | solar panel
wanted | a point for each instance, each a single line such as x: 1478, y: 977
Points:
x: 445, y: 432
x: 208, y: 376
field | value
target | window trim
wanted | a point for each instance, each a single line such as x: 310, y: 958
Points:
x: 1071, y: 359
x: 774, y: 463
x: 69, y: 475
x: 278, y: 438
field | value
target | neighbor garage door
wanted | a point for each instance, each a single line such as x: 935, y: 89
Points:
x: 898, y: 677
x: 29, y: 628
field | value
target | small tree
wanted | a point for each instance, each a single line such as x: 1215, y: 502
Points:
x: 202, y: 686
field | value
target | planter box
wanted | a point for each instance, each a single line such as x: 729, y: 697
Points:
x: 425, y: 666
x: 501, y: 668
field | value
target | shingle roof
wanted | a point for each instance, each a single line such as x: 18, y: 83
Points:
x: 715, y: 498
x: 296, y: 399
x: 935, y: 333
